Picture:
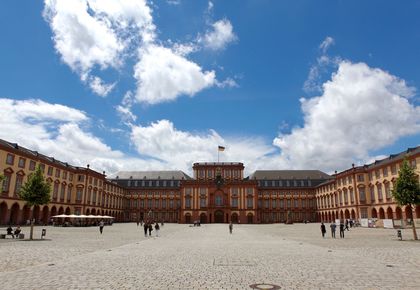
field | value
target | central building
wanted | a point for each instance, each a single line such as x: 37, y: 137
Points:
x: 219, y: 192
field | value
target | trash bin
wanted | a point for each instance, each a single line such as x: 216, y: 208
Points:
x: 44, y: 233
x: 399, y: 234
x: 21, y: 236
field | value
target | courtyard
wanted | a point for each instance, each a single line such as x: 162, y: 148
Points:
x: 208, y: 257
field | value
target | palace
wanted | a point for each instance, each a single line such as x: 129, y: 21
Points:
x: 218, y: 192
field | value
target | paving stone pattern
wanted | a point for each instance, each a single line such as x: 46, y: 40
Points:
x: 208, y: 257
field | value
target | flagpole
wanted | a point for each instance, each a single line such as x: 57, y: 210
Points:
x: 218, y: 152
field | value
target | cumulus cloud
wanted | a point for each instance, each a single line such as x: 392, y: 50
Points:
x: 313, y: 83
x: 59, y: 131
x: 91, y: 34
x: 220, y: 35
x: 180, y: 149
x: 99, y: 87
x: 162, y: 75
x: 124, y: 109
x: 361, y: 109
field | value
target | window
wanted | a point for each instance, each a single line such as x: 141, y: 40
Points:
x: 387, y: 190
x: 94, y: 197
x: 236, y: 173
x: 394, y: 169
x: 360, y: 178
x: 164, y: 202
x: 21, y: 162
x: 250, y: 191
x: 203, y: 191
x: 259, y: 204
x: 55, y: 191
x: 210, y: 173
x: 188, y: 191
x: 71, y: 177
x: 79, y: 194
x: 32, y: 165
x: 296, y: 203
x: 171, y: 203
x: 370, y: 176
x: 90, y: 180
x: 249, y: 202
x: 64, y: 174
x: 413, y: 163
x: 377, y: 174
x: 149, y: 203
x: 372, y: 193
x: 362, y: 194
x: 379, y: 187
x: 19, y: 181
x: 57, y: 173
x: 235, y: 191
x: 80, y: 178
x: 219, y: 200
x: 62, y: 192
x: 303, y: 202
x: 188, y: 202
x: 274, y: 204
x: 351, y: 195
x: 364, y: 213
x: 201, y: 173
x: 234, y: 202
x: 346, y: 201
x: 68, y: 193
x: 289, y: 203
x: 281, y: 203
x: 10, y: 159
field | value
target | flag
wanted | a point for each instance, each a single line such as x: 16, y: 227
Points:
x: 221, y: 148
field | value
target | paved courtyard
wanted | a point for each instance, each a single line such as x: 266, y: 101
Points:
x: 208, y: 257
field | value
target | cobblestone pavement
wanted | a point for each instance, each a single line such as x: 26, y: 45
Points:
x: 208, y: 257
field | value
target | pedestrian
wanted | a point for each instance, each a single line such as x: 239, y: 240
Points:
x: 157, y: 228
x: 347, y: 225
x: 145, y: 228
x: 138, y: 222
x: 230, y: 227
x: 323, y: 230
x: 101, y: 226
x: 341, y: 229
x: 150, y: 229
x: 333, y: 227
x: 141, y: 223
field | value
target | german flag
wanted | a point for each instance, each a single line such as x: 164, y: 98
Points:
x: 221, y: 148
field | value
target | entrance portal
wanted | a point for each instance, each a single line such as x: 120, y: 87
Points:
x: 218, y: 216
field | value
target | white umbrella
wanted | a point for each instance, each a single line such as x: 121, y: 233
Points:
x: 61, y: 216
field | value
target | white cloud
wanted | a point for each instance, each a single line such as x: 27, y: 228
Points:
x: 180, y: 149
x: 227, y: 83
x: 323, y: 62
x: 162, y: 75
x: 221, y: 35
x: 99, y: 87
x: 124, y: 110
x: 361, y: 109
x: 328, y: 41
x: 91, y: 34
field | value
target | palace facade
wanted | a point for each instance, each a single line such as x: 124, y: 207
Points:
x: 218, y: 192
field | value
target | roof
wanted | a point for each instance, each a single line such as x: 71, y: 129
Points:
x: 218, y: 163
x: 395, y: 157
x: 170, y: 174
x: 289, y: 174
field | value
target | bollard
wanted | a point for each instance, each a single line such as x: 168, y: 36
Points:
x: 43, y: 233
x: 399, y: 234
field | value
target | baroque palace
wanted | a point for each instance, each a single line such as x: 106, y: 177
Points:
x: 218, y: 192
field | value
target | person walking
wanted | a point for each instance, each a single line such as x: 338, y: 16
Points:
x: 157, y: 228
x: 101, y: 226
x: 145, y: 228
x: 333, y: 226
x: 341, y: 230
x: 230, y: 227
x: 347, y: 225
x: 323, y: 230
x: 138, y: 222
x: 150, y: 229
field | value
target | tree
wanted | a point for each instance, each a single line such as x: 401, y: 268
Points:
x: 36, y: 191
x: 407, y: 189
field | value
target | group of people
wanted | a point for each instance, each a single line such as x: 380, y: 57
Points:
x: 148, y: 227
x: 343, y: 226
x: 14, y: 233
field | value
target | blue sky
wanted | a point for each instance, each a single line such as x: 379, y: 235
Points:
x: 158, y: 85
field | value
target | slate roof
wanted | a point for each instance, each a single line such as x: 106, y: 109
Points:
x: 289, y: 174
x: 164, y: 175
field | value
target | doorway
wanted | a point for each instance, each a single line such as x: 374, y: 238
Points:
x: 218, y: 216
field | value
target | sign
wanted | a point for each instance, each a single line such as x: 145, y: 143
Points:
x: 388, y: 223
x: 337, y: 222
x: 364, y: 222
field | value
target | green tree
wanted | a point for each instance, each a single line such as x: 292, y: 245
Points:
x: 407, y: 189
x: 36, y: 191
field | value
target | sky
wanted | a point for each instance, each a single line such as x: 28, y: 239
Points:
x: 159, y: 85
